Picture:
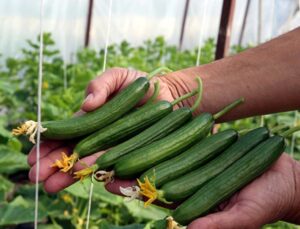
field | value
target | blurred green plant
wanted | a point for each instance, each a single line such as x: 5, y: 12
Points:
x: 63, y: 90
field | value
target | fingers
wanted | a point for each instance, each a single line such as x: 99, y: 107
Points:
x: 100, y: 89
x: 59, y: 180
x: 46, y: 169
x: 45, y: 148
x: 231, y: 219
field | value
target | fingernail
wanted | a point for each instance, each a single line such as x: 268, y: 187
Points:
x: 88, y: 98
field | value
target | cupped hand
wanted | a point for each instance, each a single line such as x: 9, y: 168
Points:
x: 99, y: 90
x: 271, y: 197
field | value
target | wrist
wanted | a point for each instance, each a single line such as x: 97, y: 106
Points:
x: 184, y: 81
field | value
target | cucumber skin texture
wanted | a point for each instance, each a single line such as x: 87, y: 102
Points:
x: 83, y: 125
x: 123, y: 128
x: 192, y: 158
x: 231, y: 180
x: 144, y: 158
x: 185, y: 186
x: 158, y: 130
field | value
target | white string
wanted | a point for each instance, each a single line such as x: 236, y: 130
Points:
x: 104, y: 67
x: 89, y: 205
x: 40, y: 80
x: 272, y: 6
x: 107, y: 35
x: 203, y: 23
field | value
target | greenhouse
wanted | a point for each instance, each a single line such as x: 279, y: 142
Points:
x: 132, y: 114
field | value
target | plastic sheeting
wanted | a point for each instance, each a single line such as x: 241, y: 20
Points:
x: 135, y: 21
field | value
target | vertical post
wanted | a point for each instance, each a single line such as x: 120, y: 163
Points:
x: 88, y: 23
x: 225, y: 28
x: 186, y: 9
x: 244, y: 23
x: 259, y: 22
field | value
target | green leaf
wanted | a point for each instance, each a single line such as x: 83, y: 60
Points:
x: 81, y: 189
x: 19, y: 211
x: 11, y: 160
x: 5, y: 187
x: 106, y: 225
x: 137, y: 209
x: 14, y: 144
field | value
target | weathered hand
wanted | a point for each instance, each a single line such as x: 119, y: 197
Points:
x: 271, y: 197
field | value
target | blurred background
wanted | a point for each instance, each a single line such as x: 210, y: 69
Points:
x: 140, y: 34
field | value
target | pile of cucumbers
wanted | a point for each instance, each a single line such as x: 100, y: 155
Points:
x: 172, y: 154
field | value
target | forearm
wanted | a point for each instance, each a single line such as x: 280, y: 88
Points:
x: 268, y: 77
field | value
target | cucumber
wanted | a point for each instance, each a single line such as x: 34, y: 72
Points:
x: 189, y: 160
x: 144, y: 158
x: 239, y: 174
x: 158, y: 130
x: 79, y: 126
x: 123, y: 128
x: 183, y: 187
x: 131, y: 124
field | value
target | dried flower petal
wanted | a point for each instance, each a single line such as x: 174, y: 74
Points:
x: 28, y: 128
x: 131, y: 193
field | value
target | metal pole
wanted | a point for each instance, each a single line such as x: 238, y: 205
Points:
x: 186, y: 9
x: 88, y: 23
x: 259, y: 22
x: 244, y: 23
x: 225, y: 28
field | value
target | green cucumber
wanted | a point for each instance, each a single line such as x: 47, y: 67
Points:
x: 83, y: 125
x: 158, y: 130
x: 239, y: 174
x: 79, y: 126
x: 130, y: 124
x: 183, y: 187
x: 146, y: 157
x: 123, y: 128
x: 189, y: 160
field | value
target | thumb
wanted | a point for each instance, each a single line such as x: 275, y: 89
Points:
x: 94, y: 100
x: 224, y: 220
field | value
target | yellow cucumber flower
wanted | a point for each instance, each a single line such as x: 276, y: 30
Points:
x: 66, y: 162
x: 148, y: 190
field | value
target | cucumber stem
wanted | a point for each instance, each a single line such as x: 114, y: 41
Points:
x: 290, y: 131
x: 278, y: 128
x: 190, y: 94
x: 228, y: 108
x: 200, y: 92
x: 155, y: 93
x: 157, y: 71
x: 183, y: 97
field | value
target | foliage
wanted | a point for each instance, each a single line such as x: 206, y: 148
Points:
x: 63, y: 90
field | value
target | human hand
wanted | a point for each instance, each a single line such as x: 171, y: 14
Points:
x: 271, y: 197
x: 99, y: 90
